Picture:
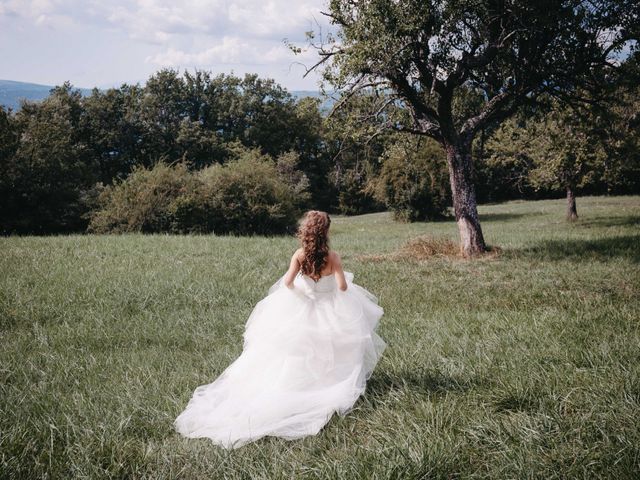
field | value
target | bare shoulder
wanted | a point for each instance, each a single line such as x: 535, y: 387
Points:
x: 334, y: 258
x: 299, y: 255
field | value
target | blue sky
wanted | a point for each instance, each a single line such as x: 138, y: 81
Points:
x: 106, y: 43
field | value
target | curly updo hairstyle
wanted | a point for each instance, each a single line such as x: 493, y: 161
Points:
x: 313, y: 234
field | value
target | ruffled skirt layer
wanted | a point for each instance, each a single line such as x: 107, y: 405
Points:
x: 307, y: 354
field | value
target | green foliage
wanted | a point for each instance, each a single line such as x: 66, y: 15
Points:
x: 462, y: 66
x: 113, y: 131
x: 249, y: 194
x: 356, y: 151
x: 565, y: 154
x: 53, y: 153
x: 554, y: 151
x: 57, y: 157
x: 200, y: 147
x: 144, y: 202
x: 618, y: 132
x: 315, y: 160
x: 503, y: 162
x: 45, y: 175
x: 414, y: 181
x: 353, y: 193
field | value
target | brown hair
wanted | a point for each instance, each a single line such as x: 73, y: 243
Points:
x: 313, y: 235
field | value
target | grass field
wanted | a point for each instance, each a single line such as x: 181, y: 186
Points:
x: 525, y: 365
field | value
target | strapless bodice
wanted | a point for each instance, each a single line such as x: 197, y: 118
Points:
x: 326, y: 283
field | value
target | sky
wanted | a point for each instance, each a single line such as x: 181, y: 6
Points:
x: 109, y: 42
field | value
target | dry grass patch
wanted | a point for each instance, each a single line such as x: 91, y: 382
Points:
x: 427, y: 247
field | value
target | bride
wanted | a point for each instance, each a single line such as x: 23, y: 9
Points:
x: 309, y: 347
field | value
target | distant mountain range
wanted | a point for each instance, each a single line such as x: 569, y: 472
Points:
x: 11, y: 93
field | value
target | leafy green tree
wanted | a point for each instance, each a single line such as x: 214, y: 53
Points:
x: 618, y: 130
x: 508, y: 155
x: 161, y: 111
x: 413, y: 181
x: 9, y: 143
x: 51, y: 167
x: 309, y: 134
x: 565, y: 155
x: 113, y: 131
x: 569, y: 150
x: 200, y: 147
x: 355, y: 147
x: 425, y: 55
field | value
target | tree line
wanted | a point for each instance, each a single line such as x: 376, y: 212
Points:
x: 194, y: 152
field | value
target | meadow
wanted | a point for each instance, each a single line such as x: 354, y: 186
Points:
x: 523, y: 364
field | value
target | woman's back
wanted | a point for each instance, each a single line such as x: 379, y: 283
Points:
x: 332, y: 268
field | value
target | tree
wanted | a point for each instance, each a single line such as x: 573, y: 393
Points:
x: 112, y: 130
x: 161, y: 111
x: 309, y: 134
x: 619, y: 132
x: 551, y: 151
x: 427, y: 55
x: 51, y: 167
x: 9, y: 142
x: 355, y: 149
x: 565, y: 154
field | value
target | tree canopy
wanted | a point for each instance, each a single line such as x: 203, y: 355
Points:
x: 461, y: 66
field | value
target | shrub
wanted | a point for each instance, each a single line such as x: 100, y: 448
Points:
x: 144, y: 202
x: 248, y: 195
x: 413, y: 180
x: 252, y: 195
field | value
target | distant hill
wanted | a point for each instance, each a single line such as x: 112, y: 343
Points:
x: 11, y: 93
x: 326, y: 103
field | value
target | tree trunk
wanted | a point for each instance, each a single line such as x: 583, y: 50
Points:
x: 572, y: 211
x: 464, y: 199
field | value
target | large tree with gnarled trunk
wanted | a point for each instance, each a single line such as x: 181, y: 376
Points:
x: 459, y: 66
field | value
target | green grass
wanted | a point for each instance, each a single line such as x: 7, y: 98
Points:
x: 522, y: 366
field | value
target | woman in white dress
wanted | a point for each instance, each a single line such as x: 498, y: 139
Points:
x: 309, y: 347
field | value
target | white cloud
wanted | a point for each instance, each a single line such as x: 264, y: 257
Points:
x: 271, y: 19
x: 186, y: 33
x: 230, y: 50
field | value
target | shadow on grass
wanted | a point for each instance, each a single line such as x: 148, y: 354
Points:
x: 513, y: 402
x: 627, y: 246
x: 427, y: 382
x: 502, y: 217
x: 626, y: 221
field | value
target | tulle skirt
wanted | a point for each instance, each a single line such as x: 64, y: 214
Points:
x: 308, y: 352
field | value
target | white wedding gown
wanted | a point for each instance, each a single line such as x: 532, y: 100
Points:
x: 308, y: 352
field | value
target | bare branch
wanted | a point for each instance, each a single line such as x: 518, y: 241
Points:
x: 353, y: 90
x: 489, y: 112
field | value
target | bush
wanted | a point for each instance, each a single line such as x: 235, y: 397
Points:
x: 413, y: 180
x: 249, y: 195
x: 354, y: 198
x: 144, y: 202
x: 252, y: 195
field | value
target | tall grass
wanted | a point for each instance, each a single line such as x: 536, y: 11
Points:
x: 521, y: 365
